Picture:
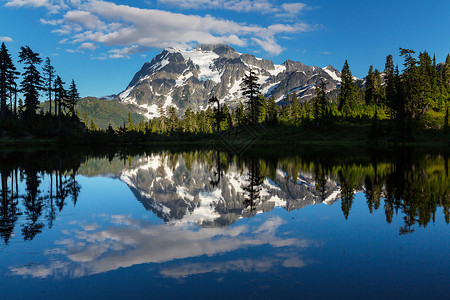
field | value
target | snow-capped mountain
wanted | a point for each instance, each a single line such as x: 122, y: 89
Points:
x: 188, y: 78
x: 178, y: 191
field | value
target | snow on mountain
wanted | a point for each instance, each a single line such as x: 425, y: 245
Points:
x: 188, y: 78
x: 335, y: 74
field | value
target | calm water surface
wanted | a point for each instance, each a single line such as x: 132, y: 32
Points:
x: 204, y: 225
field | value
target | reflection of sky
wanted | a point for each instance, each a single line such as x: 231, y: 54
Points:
x: 127, y: 242
x: 133, y: 252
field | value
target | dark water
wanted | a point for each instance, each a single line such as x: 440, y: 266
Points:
x: 208, y: 225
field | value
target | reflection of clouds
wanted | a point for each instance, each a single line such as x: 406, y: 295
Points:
x: 137, y: 242
x: 288, y: 260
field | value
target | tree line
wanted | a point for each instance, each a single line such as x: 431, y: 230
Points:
x: 419, y: 95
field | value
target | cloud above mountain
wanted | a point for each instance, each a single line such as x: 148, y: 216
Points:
x: 90, y: 24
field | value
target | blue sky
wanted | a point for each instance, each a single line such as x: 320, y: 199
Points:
x: 101, y: 44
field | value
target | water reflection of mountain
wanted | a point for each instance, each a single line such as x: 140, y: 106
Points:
x: 178, y: 193
x: 216, y: 189
x: 213, y: 189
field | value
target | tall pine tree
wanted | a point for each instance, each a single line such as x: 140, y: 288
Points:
x: 72, y: 97
x: 49, y: 76
x: 370, y: 85
x: 296, y: 110
x: 347, y: 100
x: 251, y: 90
x: 32, y: 82
x: 271, y: 110
x: 8, y: 75
x: 60, y: 95
x: 414, y: 88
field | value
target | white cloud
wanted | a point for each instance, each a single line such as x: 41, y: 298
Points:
x: 291, y: 10
x: 54, y: 6
x: 84, y: 19
x: 284, y: 10
x: 88, y: 46
x: 5, y: 39
x: 112, y: 25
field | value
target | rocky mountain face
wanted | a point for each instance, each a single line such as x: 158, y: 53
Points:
x: 181, y: 191
x: 187, y: 79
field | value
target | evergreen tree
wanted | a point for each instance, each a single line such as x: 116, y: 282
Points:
x: 173, y: 119
x: 378, y: 91
x: 263, y: 108
x: 225, y: 122
x: 60, y: 95
x: 413, y: 88
x: 239, y: 114
x: 161, y: 118
x: 8, y: 75
x: 202, y: 121
x: 446, y: 73
x: 287, y: 107
x: 428, y: 79
x: 347, y: 100
x: 189, y: 123
x: 130, y: 123
x: 370, y: 82
x: 49, y: 74
x: 251, y: 90
x: 271, y: 110
x: 296, y: 113
x: 209, y: 120
x: 32, y: 82
x: 217, y: 112
x: 72, y: 97
x: 391, y: 87
x: 320, y: 102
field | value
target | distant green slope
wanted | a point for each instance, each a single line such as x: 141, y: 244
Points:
x: 104, y: 112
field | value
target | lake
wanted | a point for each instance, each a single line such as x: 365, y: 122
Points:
x: 203, y: 224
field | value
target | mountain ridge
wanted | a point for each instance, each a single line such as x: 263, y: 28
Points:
x: 188, y: 78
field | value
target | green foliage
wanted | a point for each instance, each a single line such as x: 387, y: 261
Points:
x: 320, y: 102
x: 347, y: 97
x: 32, y: 81
x: 295, y: 110
x: 105, y: 113
x: 49, y: 74
x: 271, y: 111
x: 8, y: 75
x: 251, y: 90
x: 72, y: 97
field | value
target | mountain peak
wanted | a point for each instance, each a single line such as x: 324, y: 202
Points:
x: 330, y: 68
x: 188, y: 78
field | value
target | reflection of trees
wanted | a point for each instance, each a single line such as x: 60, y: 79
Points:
x: 413, y: 186
x: 348, y: 187
x: 9, y: 211
x: 37, y: 203
x: 373, y: 191
x: 218, y: 172
x: 33, y: 204
x: 253, y: 188
x: 320, y: 177
x: 73, y: 187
